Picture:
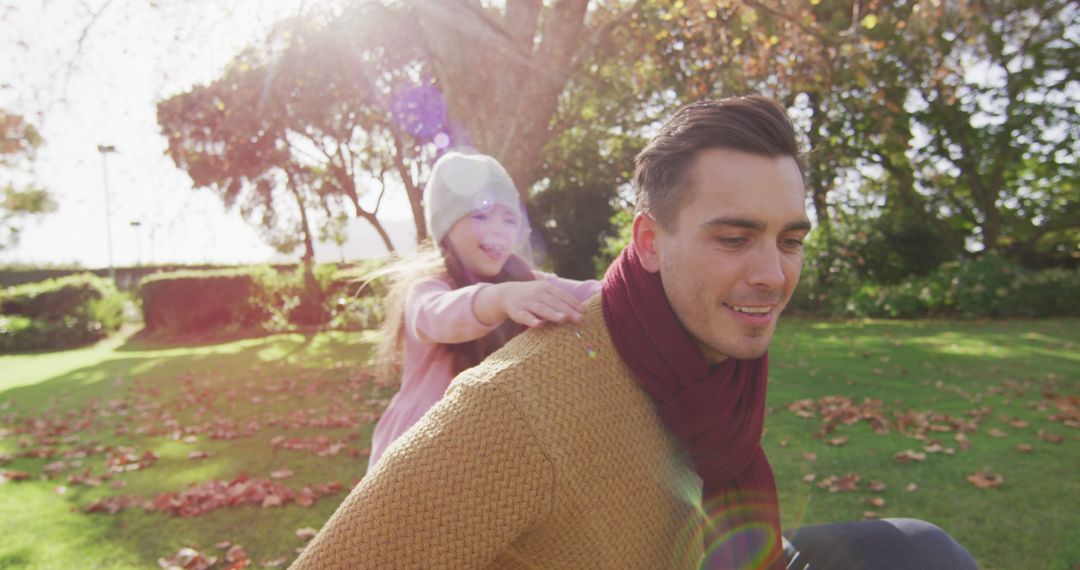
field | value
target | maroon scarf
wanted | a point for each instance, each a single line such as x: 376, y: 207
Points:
x: 716, y: 411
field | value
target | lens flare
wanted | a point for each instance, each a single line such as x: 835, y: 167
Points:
x: 730, y: 534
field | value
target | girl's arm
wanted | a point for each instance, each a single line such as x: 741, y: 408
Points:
x: 581, y: 290
x: 527, y: 302
x: 437, y: 313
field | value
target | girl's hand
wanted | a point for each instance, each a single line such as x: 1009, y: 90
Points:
x: 529, y: 303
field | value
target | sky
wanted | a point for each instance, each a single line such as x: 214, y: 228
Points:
x: 103, y: 91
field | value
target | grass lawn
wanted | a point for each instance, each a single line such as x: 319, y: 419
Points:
x: 124, y: 425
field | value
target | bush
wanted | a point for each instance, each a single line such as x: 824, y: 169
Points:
x: 197, y: 302
x: 59, y: 313
x: 223, y: 301
x: 988, y: 286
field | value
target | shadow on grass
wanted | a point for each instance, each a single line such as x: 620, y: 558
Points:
x: 318, y: 365
x: 145, y: 340
x: 162, y: 362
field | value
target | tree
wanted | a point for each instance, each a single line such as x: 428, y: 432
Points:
x: 324, y: 111
x: 18, y: 141
x: 502, y: 72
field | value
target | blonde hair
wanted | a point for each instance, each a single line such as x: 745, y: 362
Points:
x: 432, y: 262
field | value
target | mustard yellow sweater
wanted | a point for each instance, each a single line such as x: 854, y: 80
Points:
x: 541, y: 457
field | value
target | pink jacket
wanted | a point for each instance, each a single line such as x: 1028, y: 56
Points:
x: 436, y: 315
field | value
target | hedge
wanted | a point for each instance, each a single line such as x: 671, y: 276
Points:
x: 196, y: 302
x: 59, y: 313
x: 221, y: 301
x: 988, y: 286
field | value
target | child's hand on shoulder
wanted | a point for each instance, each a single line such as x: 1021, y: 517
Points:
x: 530, y: 303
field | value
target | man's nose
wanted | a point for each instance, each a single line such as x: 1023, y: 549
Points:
x: 766, y: 268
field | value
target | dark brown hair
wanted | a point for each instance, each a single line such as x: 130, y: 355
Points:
x: 754, y: 125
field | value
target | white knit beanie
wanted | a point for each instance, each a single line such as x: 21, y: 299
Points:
x: 464, y: 183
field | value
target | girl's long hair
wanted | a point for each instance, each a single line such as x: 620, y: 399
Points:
x: 430, y: 262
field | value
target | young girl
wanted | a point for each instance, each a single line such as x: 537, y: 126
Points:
x: 453, y: 304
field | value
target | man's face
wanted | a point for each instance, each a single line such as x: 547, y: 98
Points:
x: 733, y: 254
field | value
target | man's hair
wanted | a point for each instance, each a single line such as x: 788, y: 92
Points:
x: 754, y: 125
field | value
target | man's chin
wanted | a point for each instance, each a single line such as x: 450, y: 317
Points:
x: 744, y: 349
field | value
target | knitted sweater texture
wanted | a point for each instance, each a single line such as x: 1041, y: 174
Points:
x: 541, y: 457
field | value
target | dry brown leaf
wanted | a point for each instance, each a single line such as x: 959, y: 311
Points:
x: 1024, y: 448
x: 809, y: 456
x: 995, y: 432
x: 909, y: 456
x: 876, y: 502
x: 985, y: 479
x: 838, y: 441
x: 1051, y: 437
x: 877, y: 486
x: 305, y: 534
x: 912, y: 487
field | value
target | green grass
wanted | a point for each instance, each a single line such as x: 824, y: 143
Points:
x: 949, y: 368
x: 1000, y: 369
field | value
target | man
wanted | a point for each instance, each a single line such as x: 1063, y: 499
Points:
x: 631, y: 440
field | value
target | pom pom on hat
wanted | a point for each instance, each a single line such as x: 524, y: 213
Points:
x: 461, y: 184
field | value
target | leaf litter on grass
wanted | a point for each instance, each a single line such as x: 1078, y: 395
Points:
x: 75, y: 443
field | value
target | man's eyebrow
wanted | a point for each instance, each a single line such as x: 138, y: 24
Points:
x: 731, y: 221
x: 751, y: 224
x: 803, y: 225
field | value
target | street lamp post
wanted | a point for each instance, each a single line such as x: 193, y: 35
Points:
x: 138, y: 241
x: 105, y: 149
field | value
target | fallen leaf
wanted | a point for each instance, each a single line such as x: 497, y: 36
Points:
x: 871, y: 515
x: 1051, y: 437
x: 199, y: 454
x: 995, y: 432
x: 6, y: 475
x: 808, y: 456
x: 876, y: 502
x: 281, y: 474
x: 838, y: 441
x: 877, y: 486
x: 809, y: 477
x: 834, y: 484
x: 985, y: 479
x: 1024, y: 448
x: 305, y: 534
x: 912, y: 487
x: 909, y: 456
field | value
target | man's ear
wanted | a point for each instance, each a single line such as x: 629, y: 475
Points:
x: 646, y: 231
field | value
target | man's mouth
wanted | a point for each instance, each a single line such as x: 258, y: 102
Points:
x: 757, y: 310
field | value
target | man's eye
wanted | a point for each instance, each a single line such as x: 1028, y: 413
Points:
x: 793, y: 243
x: 479, y: 217
x: 731, y: 241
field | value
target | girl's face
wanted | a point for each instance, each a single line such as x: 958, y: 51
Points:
x: 485, y: 239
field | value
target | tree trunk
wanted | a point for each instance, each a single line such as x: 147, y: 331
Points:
x: 309, y: 243
x: 502, y: 79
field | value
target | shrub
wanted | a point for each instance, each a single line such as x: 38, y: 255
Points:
x: 197, y: 302
x: 988, y: 286
x: 59, y: 313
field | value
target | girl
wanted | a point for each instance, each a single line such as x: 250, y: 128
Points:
x: 452, y: 305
